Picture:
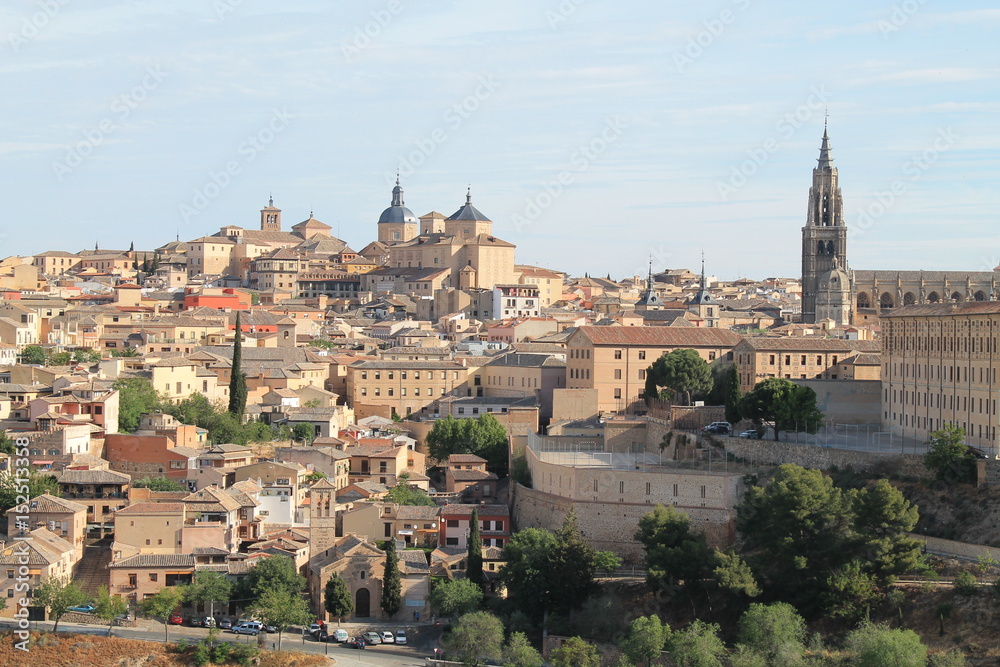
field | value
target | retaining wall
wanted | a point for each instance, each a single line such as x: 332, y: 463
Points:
x: 813, y: 456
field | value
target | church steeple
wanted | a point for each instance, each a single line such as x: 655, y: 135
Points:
x: 825, y: 161
x: 397, y: 193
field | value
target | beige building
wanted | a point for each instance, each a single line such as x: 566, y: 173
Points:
x: 804, y: 358
x: 939, y: 367
x: 143, y: 575
x: 404, y: 387
x: 44, y: 555
x: 614, y: 359
x: 64, y: 518
x: 413, y: 525
x: 549, y: 283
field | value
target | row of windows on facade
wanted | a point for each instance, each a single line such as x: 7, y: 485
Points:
x: 942, y: 373
x: 402, y: 391
x: 402, y: 375
x: 803, y: 360
x: 649, y: 487
x: 498, y: 380
x: 943, y: 401
x: 475, y: 411
x: 932, y: 424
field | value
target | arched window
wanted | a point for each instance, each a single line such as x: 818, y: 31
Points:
x: 885, y: 302
x: 829, y: 247
x: 864, y: 301
x: 980, y: 296
x: 820, y: 248
x: 933, y: 297
x: 956, y: 297
x: 909, y: 299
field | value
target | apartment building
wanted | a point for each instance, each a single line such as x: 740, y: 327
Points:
x: 404, y: 387
x: 799, y: 358
x: 614, y: 359
x: 939, y: 366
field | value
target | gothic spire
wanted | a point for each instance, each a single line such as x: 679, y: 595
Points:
x: 825, y: 161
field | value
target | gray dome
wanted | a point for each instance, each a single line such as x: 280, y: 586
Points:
x: 397, y: 213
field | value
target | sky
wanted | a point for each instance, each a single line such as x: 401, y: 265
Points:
x: 597, y: 136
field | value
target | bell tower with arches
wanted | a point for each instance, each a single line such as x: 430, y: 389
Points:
x: 824, y: 238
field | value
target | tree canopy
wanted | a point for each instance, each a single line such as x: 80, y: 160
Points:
x: 237, y: 380
x: 683, y: 372
x: 775, y: 632
x: 161, y: 604
x: 800, y: 531
x: 476, y: 638
x: 58, y: 594
x: 647, y: 637
x: 276, y: 572
x: 456, y: 598
x: 404, y: 494
x: 474, y: 561
x: 483, y: 436
x: 282, y: 609
x: 392, y: 584
x: 136, y: 395
x: 674, y: 554
x: 874, y: 645
x: 784, y: 405
x: 337, y: 599
x: 158, y: 484
x: 948, y: 457
x: 575, y: 652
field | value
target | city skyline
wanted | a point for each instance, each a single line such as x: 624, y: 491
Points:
x: 593, y: 136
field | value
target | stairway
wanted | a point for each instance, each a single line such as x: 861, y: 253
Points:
x: 92, y: 570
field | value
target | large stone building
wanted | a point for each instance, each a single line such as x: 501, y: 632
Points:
x: 800, y: 358
x: 939, y: 366
x: 832, y: 291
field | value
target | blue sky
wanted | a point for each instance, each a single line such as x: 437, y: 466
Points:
x: 594, y: 134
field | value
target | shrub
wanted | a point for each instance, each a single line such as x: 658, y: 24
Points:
x: 966, y: 584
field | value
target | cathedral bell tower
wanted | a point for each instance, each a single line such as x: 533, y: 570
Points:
x: 270, y: 217
x: 824, y: 238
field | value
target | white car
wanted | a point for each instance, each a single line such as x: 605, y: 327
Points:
x: 387, y: 637
x: 400, y: 636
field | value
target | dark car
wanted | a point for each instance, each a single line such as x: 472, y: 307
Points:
x: 357, y: 642
x: 750, y: 435
x: 975, y: 452
x: 225, y: 625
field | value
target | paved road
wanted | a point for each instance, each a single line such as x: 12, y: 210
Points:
x: 388, y: 655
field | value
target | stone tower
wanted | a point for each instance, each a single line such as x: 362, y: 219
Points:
x: 834, y: 295
x: 397, y: 224
x: 270, y: 217
x: 322, y: 517
x: 824, y: 238
x: 703, y: 304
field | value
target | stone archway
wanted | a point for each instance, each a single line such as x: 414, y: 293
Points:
x: 363, y: 603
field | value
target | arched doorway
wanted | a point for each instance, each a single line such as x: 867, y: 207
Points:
x: 362, y: 603
x: 885, y: 301
x: 864, y: 301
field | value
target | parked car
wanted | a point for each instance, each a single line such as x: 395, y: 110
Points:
x: 719, y: 428
x: 314, y: 628
x: 247, y: 628
x: 175, y: 619
x: 975, y: 452
x: 208, y: 622
x: 400, y: 636
x: 84, y: 609
x: 357, y: 642
x: 752, y: 434
x: 225, y: 624
x: 372, y: 638
x: 387, y: 637
x: 197, y: 622
x: 340, y: 635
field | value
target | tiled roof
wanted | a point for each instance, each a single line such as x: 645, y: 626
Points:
x: 155, y: 560
x: 152, y: 508
x: 808, y: 344
x: 92, y: 477
x: 46, y: 503
x: 660, y: 336
x: 945, y: 309
x: 465, y: 458
x: 408, y: 365
x: 418, y: 512
x: 471, y: 475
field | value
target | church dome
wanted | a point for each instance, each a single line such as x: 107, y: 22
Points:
x: 397, y: 213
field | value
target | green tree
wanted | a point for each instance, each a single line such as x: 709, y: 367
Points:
x: 518, y: 652
x: 520, y: 472
x: 271, y: 572
x: 12, y: 487
x: 337, y: 598
x: 883, y: 521
x: 487, y: 438
x: 404, y: 494
x: 851, y: 591
x: 948, y: 457
x: 697, y: 645
x: 162, y: 604
x: 124, y: 352
x: 136, y: 396
x: 966, y: 584
x: 158, y: 484
x: 474, y: 564
x: 237, y: 380
x: 476, y: 638
x: 774, y: 631
x: 445, y: 439
x: 526, y: 571
x: 607, y: 562
x: 456, y: 598
x: 304, y: 431
x: 874, y: 645
x: 571, y: 567
x: 733, y: 575
x: 783, y: 404
x: 33, y: 354
x: 953, y: 658
x: 684, y: 372
x: 647, y: 637
x: 575, y: 652
x: 210, y: 587
x: 281, y: 609
x: 392, y: 585
x: 796, y: 532
x: 732, y: 394
x: 57, y: 595
x: 108, y: 607
x: 673, y: 552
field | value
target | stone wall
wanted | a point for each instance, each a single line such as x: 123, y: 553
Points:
x: 848, y: 401
x: 936, y: 545
x: 611, y: 526
x: 823, y: 458
x: 691, y: 417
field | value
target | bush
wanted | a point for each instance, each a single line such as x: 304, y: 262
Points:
x: 243, y: 654
x: 201, y: 655
x: 966, y: 584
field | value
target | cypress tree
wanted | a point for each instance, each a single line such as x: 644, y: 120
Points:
x: 734, y: 394
x: 392, y: 585
x: 337, y: 599
x: 474, y: 568
x: 237, y: 380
